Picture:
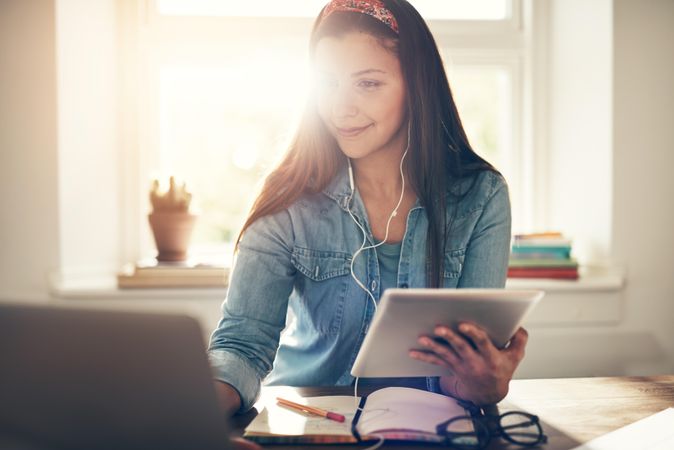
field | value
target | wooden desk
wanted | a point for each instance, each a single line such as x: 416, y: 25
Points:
x: 572, y: 410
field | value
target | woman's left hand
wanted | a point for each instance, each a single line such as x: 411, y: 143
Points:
x: 481, y: 372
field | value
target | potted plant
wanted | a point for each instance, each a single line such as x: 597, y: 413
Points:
x: 171, y: 220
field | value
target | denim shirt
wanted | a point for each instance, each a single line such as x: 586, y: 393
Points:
x: 299, y: 260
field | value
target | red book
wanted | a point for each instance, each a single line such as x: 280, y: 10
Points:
x: 559, y: 273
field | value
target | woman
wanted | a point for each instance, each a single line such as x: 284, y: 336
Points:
x: 379, y: 189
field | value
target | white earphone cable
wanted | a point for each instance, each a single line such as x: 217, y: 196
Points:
x: 362, y: 248
x: 388, y: 223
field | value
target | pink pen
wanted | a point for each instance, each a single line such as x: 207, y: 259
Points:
x: 311, y: 410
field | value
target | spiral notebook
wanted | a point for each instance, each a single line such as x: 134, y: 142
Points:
x: 394, y: 413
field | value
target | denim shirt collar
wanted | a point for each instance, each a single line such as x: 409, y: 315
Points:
x: 339, y: 188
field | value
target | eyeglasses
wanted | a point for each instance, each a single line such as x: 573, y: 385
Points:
x: 476, y: 431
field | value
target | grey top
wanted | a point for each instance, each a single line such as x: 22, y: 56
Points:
x: 389, y: 257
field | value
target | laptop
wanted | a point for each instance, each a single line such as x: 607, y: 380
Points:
x: 95, y: 379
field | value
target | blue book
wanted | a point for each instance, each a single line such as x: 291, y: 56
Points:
x: 553, y: 252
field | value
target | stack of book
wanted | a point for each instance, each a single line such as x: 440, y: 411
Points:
x: 542, y: 255
x: 153, y: 274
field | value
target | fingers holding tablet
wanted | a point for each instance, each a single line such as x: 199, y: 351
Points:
x: 429, y: 357
x: 485, y: 372
x: 518, y: 343
x: 454, y: 348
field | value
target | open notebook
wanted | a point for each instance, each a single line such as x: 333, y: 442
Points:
x: 394, y: 413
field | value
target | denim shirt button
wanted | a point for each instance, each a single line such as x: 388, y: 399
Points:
x: 373, y: 285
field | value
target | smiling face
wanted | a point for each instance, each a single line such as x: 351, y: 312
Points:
x: 361, y: 94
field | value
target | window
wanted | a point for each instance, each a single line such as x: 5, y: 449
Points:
x: 221, y: 85
x: 430, y: 9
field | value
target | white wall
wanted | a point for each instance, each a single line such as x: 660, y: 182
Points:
x: 643, y: 158
x: 579, y: 143
x: 88, y: 135
x: 29, y: 226
x: 59, y: 140
x: 637, y: 337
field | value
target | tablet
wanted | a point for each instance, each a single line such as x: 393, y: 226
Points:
x: 405, y: 314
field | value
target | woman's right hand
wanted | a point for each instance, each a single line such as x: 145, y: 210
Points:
x: 482, y: 371
x: 230, y: 403
x: 228, y: 398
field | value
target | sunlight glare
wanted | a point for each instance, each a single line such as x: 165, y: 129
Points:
x: 245, y: 157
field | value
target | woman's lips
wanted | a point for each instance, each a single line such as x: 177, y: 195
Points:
x: 351, y: 132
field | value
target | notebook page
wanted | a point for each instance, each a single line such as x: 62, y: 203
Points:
x: 407, y: 409
x: 275, y: 419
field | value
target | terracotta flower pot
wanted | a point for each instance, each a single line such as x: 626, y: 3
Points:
x: 172, y: 232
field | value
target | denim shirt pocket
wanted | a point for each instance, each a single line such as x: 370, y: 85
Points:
x: 322, y: 285
x: 452, y: 267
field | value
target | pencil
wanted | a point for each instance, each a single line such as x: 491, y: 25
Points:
x: 311, y: 410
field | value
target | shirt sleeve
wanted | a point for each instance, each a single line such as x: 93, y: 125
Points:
x: 486, y: 261
x: 243, y: 346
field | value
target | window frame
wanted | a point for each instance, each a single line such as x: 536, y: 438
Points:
x: 512, y: 43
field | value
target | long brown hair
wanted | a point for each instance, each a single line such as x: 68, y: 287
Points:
x: 440, y: 155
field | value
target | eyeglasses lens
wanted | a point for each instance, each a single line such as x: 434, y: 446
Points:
x: 463, y: 434
x: 521, y: 428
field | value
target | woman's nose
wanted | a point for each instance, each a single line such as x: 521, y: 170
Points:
x: 344, y: 105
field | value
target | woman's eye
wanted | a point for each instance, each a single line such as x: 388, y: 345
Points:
x: 368, y: 84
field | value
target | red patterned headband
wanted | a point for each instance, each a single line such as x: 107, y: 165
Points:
x: 374, y: 8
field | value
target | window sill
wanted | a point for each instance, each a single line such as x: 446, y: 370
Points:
x: 104, y: 287
x: 594, y: 300
x: 593, y: 279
